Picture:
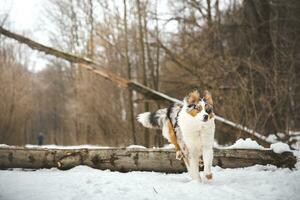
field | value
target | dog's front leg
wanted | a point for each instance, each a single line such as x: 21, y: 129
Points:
x: 208, y: 155
x: 193, y: 166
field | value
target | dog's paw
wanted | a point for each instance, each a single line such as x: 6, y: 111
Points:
x: 206, y: 178
x: 179, y: 155
x: 209, y: 176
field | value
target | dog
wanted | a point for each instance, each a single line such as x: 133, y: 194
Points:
x: 190, y: 127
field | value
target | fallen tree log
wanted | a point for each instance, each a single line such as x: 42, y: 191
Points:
x: 137, y: 159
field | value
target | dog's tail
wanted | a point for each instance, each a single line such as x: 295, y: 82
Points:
x: 153, y: 119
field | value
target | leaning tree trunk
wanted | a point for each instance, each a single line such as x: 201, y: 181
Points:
x: 128, y: 159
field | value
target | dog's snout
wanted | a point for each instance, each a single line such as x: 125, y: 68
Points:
x: 205, y: 117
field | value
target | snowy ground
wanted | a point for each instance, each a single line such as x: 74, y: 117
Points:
x: 257, y: 182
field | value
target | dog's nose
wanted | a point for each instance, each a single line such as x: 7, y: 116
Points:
x: 205, y: 117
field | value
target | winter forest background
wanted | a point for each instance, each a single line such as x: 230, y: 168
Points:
x: 247, y: 53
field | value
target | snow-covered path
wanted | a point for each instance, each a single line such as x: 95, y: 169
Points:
x: 257, y: 182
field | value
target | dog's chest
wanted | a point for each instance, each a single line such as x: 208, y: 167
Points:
x: 195, y: 132
x: 188, y: 123
x: 190, y: 128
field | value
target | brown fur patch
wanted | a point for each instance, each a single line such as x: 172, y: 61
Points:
x: 193, y: 112
x: 199, y: 108
x: 207, y: 96
x: 172, y: 136
x: 193, y: 97
x: 209, y: 176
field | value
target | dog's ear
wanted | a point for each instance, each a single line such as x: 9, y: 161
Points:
x: 207, y: 96
x: 193, y: 97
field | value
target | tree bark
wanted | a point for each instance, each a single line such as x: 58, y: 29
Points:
x: 129, y: 159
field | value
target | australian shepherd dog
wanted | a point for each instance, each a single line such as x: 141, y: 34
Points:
x: 190, y: 127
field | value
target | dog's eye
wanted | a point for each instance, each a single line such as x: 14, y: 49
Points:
x: 208, y: 110
x: 191, y: 105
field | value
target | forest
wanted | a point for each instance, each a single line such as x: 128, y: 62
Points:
x: 246, y: 53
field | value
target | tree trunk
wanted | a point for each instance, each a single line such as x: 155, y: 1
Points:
x: 128, y: 159
x: 130, y: 95
x: 144, y: 70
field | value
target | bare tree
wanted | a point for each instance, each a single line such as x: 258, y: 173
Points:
x: 140, y: 13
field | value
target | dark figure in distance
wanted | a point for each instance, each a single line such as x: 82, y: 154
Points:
x: 40, y: 138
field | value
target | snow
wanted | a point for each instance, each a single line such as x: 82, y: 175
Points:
x: 82, y: 182
x: 245, y: 144
x: 280, y: 147
x: 53, y: 146
x: 85, y: 146
x: 257, y: 182
x: 4, y: 146
x: 272, y: 138
x: 168, y: 146
x: 294, y: 138
x: 297, y: 154
x: 136, y: 147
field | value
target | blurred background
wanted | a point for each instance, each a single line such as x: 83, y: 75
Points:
x: 246, y: 53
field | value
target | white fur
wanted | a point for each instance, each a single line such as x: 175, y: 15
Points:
x: 198, y: 136
x: 165, y: 132
x: 143, y: 118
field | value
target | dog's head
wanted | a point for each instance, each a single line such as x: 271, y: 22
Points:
x: 197, y: 105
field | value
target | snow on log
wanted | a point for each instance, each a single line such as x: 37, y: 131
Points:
x: 133, y: 159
